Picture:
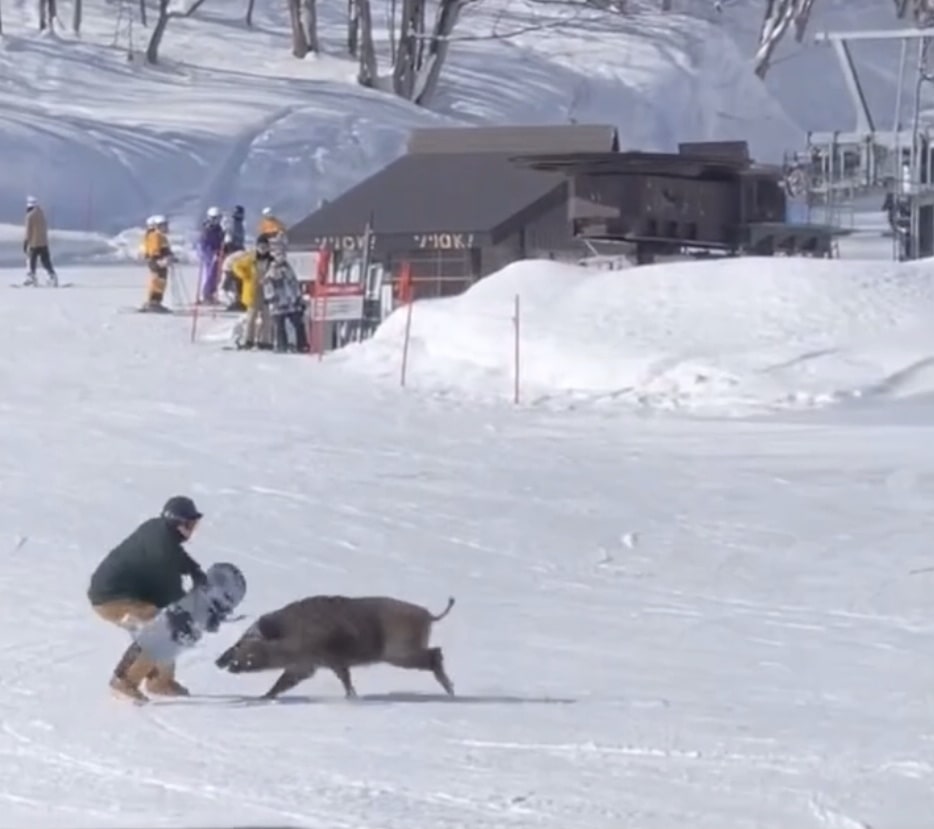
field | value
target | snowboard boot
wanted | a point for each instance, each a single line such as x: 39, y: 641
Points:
x: 124, y: 688
x: 120, y: 683
x: 31, y: 280
x: 162, y: 683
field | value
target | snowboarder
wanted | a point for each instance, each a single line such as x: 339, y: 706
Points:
x: 209, y: 249
x: 139, y: 577
x: 36, y: 243
x: 283, y: 295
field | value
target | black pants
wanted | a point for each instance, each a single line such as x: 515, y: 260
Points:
x: 295, y: 319
x: 40, y: 254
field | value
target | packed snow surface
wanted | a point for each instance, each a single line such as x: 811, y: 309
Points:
x: 729, y: 336
x: 660, y: 621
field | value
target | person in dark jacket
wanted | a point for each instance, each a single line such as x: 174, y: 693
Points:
x: 138, y: 578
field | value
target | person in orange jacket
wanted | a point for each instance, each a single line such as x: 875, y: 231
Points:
x: 158, y: 255
x: 269, y: 225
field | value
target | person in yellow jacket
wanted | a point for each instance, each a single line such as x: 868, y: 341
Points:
x: 269, y: 225
x: 158, y: 255
x: 248, y: 268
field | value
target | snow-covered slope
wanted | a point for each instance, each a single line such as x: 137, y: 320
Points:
x: 229, y: 116
x: 658, y: 623
x: 728, y: 336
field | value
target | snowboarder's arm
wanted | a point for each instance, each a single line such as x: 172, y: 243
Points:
x: 190, y: 567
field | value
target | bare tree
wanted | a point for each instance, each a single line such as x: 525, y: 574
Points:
x: 76, y: 11
x: 162, y: 22
x: 48, y: 13
x: 142, y: 12
x: 303, y: 19
x: 369, y: 68
x: 309, y: 21
x: 250, y: 6
x: 779, y: 16
x: 1, y: 17
x: 922, y: 11
x: 354, y: 23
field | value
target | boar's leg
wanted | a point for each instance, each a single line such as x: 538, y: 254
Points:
x: 342, y: 672
x: 287, y: 681
x: 429, y: 659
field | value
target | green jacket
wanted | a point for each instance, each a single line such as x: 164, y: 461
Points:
x: 147, y: 566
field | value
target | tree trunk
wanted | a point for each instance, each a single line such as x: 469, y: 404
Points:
x: 353, y: 26
x: 250, y: 5
x: 299, y: 41
x: 368, y: 67
x: 43, y: 19
x: 391, y: 27
x: 142, y: 13
x: 429, y: 74
x: 310, y: 19
x: 76, y: 10
x: 1, y: 18
x: 158, y: 32
x: 403, y: 73
x: 155, y: 39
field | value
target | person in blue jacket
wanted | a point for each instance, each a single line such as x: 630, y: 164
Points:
x: 210, y: 247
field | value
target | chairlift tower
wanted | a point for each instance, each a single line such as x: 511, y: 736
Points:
x: 897, y: 163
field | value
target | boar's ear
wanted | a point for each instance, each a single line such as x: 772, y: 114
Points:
x: 270, y: 628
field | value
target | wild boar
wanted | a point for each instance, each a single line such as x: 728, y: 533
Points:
x: 338, y: 633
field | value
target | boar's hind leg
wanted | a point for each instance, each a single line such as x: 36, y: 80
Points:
x: 343, y: 674
x: 429, y: 659
x: 287, y: 681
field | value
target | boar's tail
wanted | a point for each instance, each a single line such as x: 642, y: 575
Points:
x: 444, y: 612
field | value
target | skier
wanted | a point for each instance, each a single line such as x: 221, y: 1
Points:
x: 269, y: 225
x: 159, y: 257
x: 254, y: 330
x: 235, y: 231
x: 36, y: 243
x: 209, y: 249
x: 138, y: 578
x: 283, y: 295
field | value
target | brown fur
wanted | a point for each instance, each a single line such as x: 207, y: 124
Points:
x: 338, y: 633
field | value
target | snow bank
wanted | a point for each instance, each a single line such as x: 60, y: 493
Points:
x: 720, y: 337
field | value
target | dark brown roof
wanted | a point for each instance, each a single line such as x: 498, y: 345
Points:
x: 560, y: 138
x: 481, y: 193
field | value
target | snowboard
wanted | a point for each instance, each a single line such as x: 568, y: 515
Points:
x: 181, y: 625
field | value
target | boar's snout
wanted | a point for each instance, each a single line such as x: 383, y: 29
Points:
x: 247, y: 655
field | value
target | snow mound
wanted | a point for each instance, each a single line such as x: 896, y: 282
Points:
x: 734, y: 336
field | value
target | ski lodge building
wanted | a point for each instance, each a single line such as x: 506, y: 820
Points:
x: 456, y: 207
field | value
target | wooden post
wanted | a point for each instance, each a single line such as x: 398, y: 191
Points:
x: 515, y: 319
x: 405, y: 294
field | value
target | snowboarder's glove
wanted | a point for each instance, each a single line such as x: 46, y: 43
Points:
x: 216, y: 614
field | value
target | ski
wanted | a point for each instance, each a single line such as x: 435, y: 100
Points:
x: 60, y: 285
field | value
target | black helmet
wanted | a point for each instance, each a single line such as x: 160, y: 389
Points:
x: 238, y: 211
x: 179, y: 509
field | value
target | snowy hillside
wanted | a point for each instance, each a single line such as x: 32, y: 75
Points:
x: 660, y: 622
x: 729, y: 336
x: 229, y: 116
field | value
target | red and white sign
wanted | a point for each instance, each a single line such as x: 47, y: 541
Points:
x: 331, y: 302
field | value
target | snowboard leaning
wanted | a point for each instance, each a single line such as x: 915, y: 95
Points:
x: 202, y: 609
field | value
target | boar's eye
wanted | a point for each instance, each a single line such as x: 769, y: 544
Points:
x: 270, y: 628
